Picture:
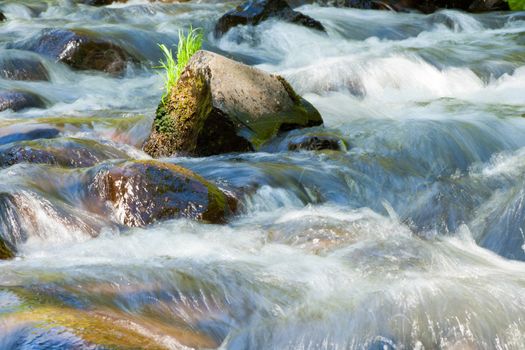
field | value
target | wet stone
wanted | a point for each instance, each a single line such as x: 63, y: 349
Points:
x: 314, y: 143
x: 144, y: 192
x: 255, y: 12
x: 102, y: 2
x: 18, y: 100
x: 23, y: 69
x: 21, y: 132
x: 70, y: 153
x: 80, y: 50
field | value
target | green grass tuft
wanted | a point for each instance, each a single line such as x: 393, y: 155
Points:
x: 517, y: 5
x: 187, y: 46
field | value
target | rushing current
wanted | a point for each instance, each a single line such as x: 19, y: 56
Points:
x: 410, y: 238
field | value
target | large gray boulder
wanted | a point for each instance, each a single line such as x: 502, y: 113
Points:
x: 220, y: 106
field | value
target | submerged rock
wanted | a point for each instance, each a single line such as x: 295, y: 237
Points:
x: 18, y: 100
x: 25, y: 214
x: 22, y: 69
x: 80, y: 50
x: 143, y: 192
x: 220, y: 106
x: 427, y: 6
x: 489, y: 5
x: 2, y: 17
x: 314, y: 143
x: 9, y: 223
x: 24, y: 132
x: 68, y: 152
x: 254, y: 12
x: 102, y: 2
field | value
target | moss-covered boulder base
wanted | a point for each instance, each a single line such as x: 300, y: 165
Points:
x: 220, y: 106
x: 139, y: 193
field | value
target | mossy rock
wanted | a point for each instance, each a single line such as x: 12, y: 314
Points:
x: 144, y: 192
x: 221, y: 106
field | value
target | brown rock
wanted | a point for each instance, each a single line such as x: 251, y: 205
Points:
x: 80, y: 50
x: 143, y: 192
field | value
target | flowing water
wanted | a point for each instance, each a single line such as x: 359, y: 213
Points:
x: 410, y: 238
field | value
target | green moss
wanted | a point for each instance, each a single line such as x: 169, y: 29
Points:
x: 517, y: 5
x: 163, y: 123
x: 5, y: 252
x: 179, y: 121
x: 291, y: 92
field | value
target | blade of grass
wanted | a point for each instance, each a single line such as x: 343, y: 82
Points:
x: 187, y: 46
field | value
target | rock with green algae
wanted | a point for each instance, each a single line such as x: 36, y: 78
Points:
x: 221, y: 106
x: 143, y: 192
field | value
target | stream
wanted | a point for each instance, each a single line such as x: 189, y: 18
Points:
x: 412, y: 237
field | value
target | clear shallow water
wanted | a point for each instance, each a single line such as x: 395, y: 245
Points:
x: 411, y: 238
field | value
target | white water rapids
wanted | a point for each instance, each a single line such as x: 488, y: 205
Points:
x: 412, y: 238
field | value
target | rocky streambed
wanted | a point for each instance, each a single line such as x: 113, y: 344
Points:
x: 329, y: 175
